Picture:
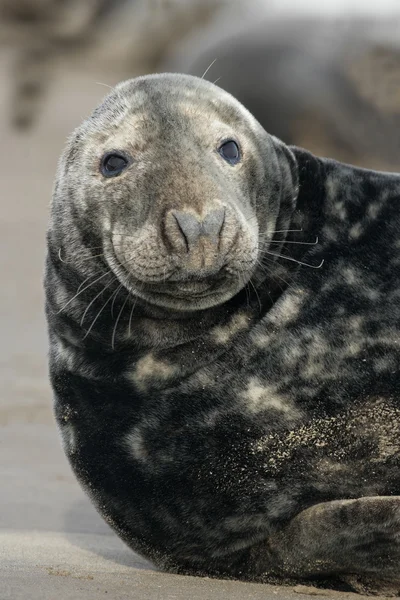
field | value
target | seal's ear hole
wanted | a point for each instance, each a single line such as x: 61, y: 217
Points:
x: 113, y: 163
x: 229, y: 150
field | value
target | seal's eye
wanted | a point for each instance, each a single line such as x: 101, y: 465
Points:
x: 229, y: 150
x: 112, y: 164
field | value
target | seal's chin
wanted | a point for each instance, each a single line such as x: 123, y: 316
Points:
x: 188, y: 295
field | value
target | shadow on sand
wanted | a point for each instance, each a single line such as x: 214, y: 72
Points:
x: 84, y: 528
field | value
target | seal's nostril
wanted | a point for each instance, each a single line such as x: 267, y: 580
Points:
x: 187, y: 227
x: 180, y: 228
x: 213, y: 223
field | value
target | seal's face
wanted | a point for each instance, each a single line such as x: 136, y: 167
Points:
x: 176, y: 178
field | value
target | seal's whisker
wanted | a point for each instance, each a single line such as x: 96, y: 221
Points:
x: 248, y: 219
x: 264, y: 268
x: 98, y: 315
x: 208, y: 68
x: 90, y: 257
x: 264, y: 237
x: 94, y: 300
x: 267, y: 232
x: 284, y: 230
x: 87, y: 279
x: 84, y: 281
x: 79, y: 260
x: 83, y: 289
x: 94, y: 247
x: 130, y: 319
x: 270, y: 271
x: 304, y: 264
x: 115, y: 296
x: 218, y: 78
x: 256, y: 293
x: 117, y: 321
x: 244, y: 283
x: 105, y: 84
x: 131, y: 315
x: 113, y: 243
x: 291, y: 242
x: 247, y: 292
x: 125, y: 235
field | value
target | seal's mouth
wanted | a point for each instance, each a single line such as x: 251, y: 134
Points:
x: 184, y: 294
x: 187, y: 301
x: 192, y: 290
x: 149, y: 271
x: 188, y: 289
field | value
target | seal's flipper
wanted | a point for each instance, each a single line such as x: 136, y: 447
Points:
x: 343, y: 536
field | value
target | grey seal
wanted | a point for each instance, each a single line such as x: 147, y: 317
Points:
x: 224, y: 316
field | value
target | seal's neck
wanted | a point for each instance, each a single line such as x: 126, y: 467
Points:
x: 310, y: 171
x: 298, y: 224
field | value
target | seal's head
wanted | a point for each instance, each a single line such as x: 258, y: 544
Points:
x: 179, y: 184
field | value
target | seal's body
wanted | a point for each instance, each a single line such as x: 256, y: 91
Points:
x: 224, y: 317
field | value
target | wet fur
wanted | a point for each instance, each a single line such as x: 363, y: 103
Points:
x: 253, y: 438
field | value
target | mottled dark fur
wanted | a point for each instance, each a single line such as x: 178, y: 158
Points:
x: 252, y: 436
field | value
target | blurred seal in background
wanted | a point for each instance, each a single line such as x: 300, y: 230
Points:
x: 327, y: 82
x: 326, y: 78
x: 111, y: 40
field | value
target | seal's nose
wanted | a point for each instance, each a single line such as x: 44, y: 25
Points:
x: 189, y: 228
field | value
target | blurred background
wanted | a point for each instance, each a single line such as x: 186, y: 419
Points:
x: 323, y: 75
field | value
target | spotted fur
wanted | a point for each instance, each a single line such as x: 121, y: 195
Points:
x: 253, y: 431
